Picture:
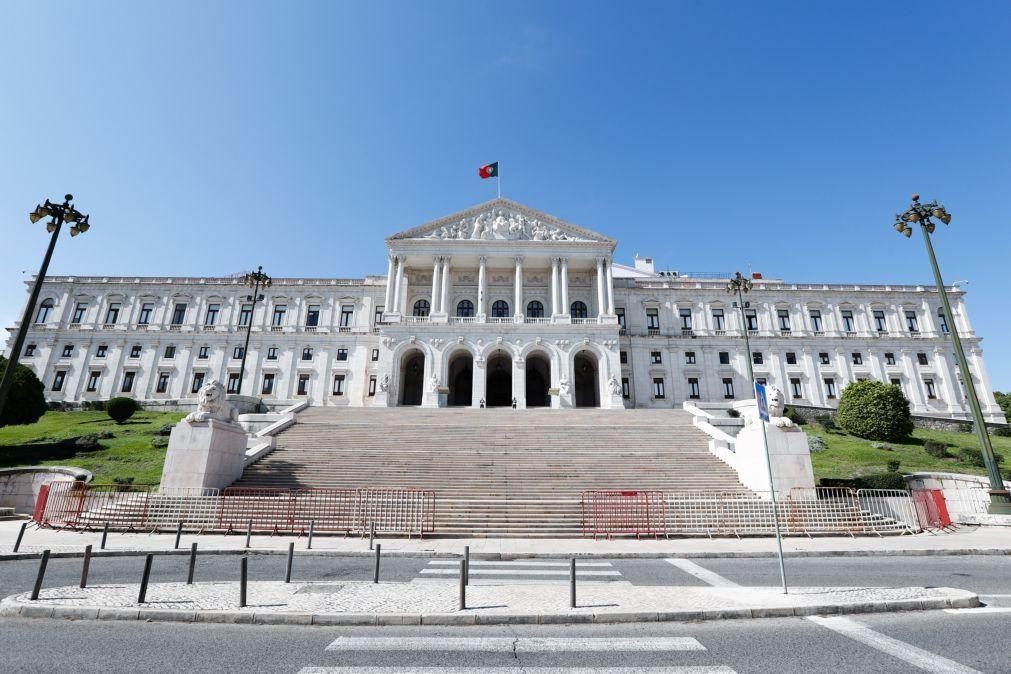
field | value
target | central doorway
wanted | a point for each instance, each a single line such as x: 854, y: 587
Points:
x: 461, y: 380
x: 538, y: 380
x: 587, y: 388
x: 412, y: 378
x: 500, y: 380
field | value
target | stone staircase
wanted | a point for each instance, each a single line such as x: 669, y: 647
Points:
x: 495, y: 472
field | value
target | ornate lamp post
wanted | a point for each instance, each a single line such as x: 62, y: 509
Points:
x: 1000, y: 498
x: 254, y: 280
x: 739, y: 286
x: 58, y: 214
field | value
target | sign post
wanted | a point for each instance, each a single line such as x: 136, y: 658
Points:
x: 763, y: 418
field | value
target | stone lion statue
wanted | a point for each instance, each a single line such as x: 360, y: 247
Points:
x: 777, y: 407
x: 211, y: 404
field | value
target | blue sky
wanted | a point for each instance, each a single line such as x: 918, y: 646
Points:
x: 210, y: 137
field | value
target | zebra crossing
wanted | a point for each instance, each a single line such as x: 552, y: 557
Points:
x: 527, y: 572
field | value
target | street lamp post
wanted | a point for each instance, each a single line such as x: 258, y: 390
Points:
x: 253, y: 279
x: 58, y: 214
x: 739, y: 286
x: 1000, y: 498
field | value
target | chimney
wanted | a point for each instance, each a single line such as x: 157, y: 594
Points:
x: 644, y: 264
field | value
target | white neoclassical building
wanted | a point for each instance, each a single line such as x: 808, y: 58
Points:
x: 497, y: 305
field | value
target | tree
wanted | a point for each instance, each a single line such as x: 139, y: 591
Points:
x: 121, y: 409
x: 1004, y: 402
x: 874, y: 410
x: 26, y: 401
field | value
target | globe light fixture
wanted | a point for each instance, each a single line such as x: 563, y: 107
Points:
x: 255, y: 280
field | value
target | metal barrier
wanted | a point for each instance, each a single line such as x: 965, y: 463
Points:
x: 891, y: 508
x: 39, y: 513
x: 268, y: 508
x: 410, y: 511
x: 610, y: 513
x: 931, y: 510
x: 331, y: 510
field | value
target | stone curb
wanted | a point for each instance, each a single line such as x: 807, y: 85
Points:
x: 11, y: 609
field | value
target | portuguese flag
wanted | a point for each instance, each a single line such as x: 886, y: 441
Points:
x: 488, y: 171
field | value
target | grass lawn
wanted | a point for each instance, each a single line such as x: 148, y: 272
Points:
x: 128, y: 454
x: 848, y: 456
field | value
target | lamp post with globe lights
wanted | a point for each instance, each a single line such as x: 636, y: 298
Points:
x: 255, y: 280
x: 922, y: 214
x: 58, y: 215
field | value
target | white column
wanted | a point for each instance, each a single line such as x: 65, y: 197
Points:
x: 482, y: 286
x: 436, y: 307
x: 445, y: 285
x: 397, y: 285
x: 610, y: 289
x: 601, y: 308
x: 565, y: 285
x: 518, y: 288
x: 387, y: 305
x: 554, y: 286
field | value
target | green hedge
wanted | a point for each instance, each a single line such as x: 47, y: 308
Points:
x: 875, y: 411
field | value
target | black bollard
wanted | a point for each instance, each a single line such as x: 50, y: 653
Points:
x: 466, y: 565
x: 375, y: 576
x: 463, y: 585
x: 249, y: 531
x: 21, y: 534
x: 291, y: 555
x: 42, y: 574
x: 243, y: 569
x: 179, y: 534
x: 142, y: 596
x: 372, y: 534
x: 105, y: 534
x: 193, y: 564
x: 85, y: 566
x: 312, y: 525
x: 572, y: 583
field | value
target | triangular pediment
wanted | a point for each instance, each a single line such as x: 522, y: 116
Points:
x: 500, y: 220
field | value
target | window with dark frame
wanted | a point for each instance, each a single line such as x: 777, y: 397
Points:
x: 128, y: 378
x: 829, y: 388
x: 372, y: 386
x: 233, y: 382
x: 465, y: 309
x: 112, y: 314
x: 68, y: 351
x: 689, y: 358
x: 751, y: 319
x: 626, y: 390
x: 623, y: 357
x: 724, y: 358
x: 880, y: 323
x: 655, y: 357
x: 500, y: 309
x: 170, y: 352
x: 338, y: 384
x: 58, y: 379
x: 578, y: 309
x: 79, y: 311
x: 658, y: 388
x: 135, y: 351
x: 163, y: 382
x: 303, y: 385
x: 198, y: 382
x: 728, y: 388
x: 347, y: 315
x: 203, y: 353
x: 101, y: 351
x: 858, y: 358
x: 145, y: 313
x: 245, y: 315
x: 620, y: 313
x: 211, y: 317
x: 757, y: 358
x: 912, y: 322
x: 30, y: 350
x: 694, y: 392
x: 784, y: 319
x: 280, y: 311
x: 816, y: 324
x: 272, y: 353
x: 931, y: 390
x: 796, y: 389
x: 719, y: 320
x: 93, y: 378
x: 178, y: 313
x: 421, y: 308
x: 268, y: 384
x: 342, y: 354
x: 889, y: 359
x: 921, y: 358
x: 45, y: 309
x: 652, y: 319
x: 847, y: 320
x: 312, y: 316
x: 307, y: 353
x: 791, y: 358
x: 824, y: 359
x: 375, y: 355
x: 237, y: 353
x: 686, y: 318
x: 942, y: 321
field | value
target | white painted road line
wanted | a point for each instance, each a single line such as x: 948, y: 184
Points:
x: 502, y: 582
x: 978, y: 611
x: 520, y: 572
x: 456, y: 563
x: 703, y: 669
x: 705, y: 575
x: 917, y: 657
x: 515, y: 645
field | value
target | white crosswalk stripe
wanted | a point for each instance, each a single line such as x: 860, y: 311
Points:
x: 689, y: 669
x: 528, y: 572
x: 515, y: 645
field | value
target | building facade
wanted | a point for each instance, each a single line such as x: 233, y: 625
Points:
x: 497, y: 305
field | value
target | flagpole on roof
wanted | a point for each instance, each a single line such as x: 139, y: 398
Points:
x: 498, y: 180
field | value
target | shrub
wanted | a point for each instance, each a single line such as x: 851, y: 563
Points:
x: 121, y: 409
x: 733, y: 413
x: 974, y: 457
x: 1002, y: 431
x: 94, y: 405
x: 26, y: 400
x: 816, y: 443
x: 105, y: 435
x: 893, y: 466
x: 87, y: 443
x: 826, y: 421
x: 892, y: 480
x: 794, y: 416
x: 165, y: 430
x: 936, y: 449
x: 875, y: 411
x: 159, y: 441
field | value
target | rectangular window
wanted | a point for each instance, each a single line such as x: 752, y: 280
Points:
x: 796, y: 388
x: 170, y: 352
x: 824, y: 359
x: 728, y: 388
x: 342, y: 354
x: 378, y: 316
x: 816, y: 320
x: 101, y: 351
x: 272, y: 353
x: 830, y: 388
x: 145, y: 313
x: 112, y: 315
x: 280, y: 310
x: 757, y: 358
x: 623, y: 357
x: 655, y: 358
x: 652, y: 319
x: 198, y: 382
x: 858, y: 358
x: 347, y: 316
x: 93, y: 377
x: 162, y: 386
x: 686, y: 318
x: 751, y: 319
x: 889, y: 359
x: 719, y: 322
x: 212, y: 314
x: 620, y: 312
x: 689, y: 357
x: 375, y: 355
x: 203, y: 353
x: 233, y: 382
x: 30, y: 350
x: 338, y: 384
x: 178, y: 314
x: 931, y: 391
x: 245, y: 314
x: 372, y: 385
x: 68, y: 351
x: 626, y: 390
x: 761, y: 380
x: 847, y: 320
x: 79, y: 312
x: 921, y: 358
x: 58, y: 379
x: 312, y: 316
x: 307, y: 353
x: 879, y: 321
x: 896, y: 382
x: 784, y: 319
x: 724, y: 358
x: 942, y: 321
x: 135, y: 351
x: 237, y: 353
x: 693, y: 388
x: 658, y: 389
x: 267, y: 388
x: 791, y: 358
x: 912, y: 324
x: 128, y: 378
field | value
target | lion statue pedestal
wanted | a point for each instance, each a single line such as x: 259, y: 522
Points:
x: 788, y: 450
x: 207, y: 449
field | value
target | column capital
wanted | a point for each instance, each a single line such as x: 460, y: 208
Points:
x: 401, y: 257
x: 518, y: 259
x: 446, y: 259
x: 483, y: 259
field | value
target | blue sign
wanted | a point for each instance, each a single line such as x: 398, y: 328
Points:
x: 763, y: 402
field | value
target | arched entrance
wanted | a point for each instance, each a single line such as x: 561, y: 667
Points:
x: 500, y: 380
x: 461, y: 379
x: 538, y: 380
x: 412, y: 378
x: 586, y: 387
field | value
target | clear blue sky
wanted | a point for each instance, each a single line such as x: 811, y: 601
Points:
x: 209, y: 137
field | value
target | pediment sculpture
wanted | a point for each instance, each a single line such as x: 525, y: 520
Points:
x: 502, y: 224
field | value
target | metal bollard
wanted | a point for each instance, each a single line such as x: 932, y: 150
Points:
x: 42, y: 574
x: 572, y: 583
x: 105, y: 534
x: 291, y: 555
x: 463, y: 585
x: 466, y: 565
x: 179, y: 534
x: 249, y: 531
x: 142, y: 596
x: 243, y: 569
x: 193, y: 564
x: 312, y: 526
x: 375, y: 576
x: 372, y: 534
x: 21, y: 534
x: 85, y: 566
